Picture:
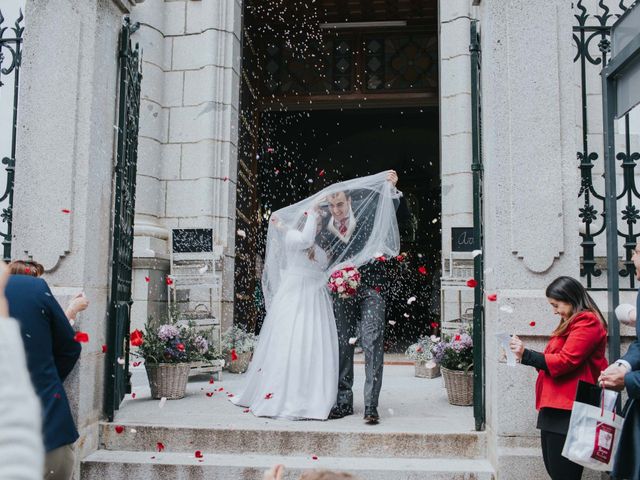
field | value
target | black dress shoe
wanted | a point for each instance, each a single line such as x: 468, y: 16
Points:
x: 371, y: 415
x: 340, y: 411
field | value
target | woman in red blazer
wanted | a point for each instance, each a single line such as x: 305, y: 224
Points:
x: 576, y: 351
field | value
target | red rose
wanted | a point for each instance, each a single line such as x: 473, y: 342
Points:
x: 180, y: 347
x: 457, y: 337
x: 234, y: 355
x: 422, y: 269
x: 434, y: 324
x: 136, y: 338
x: 119, y: 429
x: 381, y: 258
x: 400, y: 258
x: 169, y: 280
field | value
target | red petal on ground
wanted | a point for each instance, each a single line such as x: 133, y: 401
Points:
x: 160, y: 446
x: 209, y: 394
x: 532, y: 324
x: 81, y: 337
x: 211, y: 381
x: 314, y: 457
x: 147, y: 279
x: 268, y: 396
x: 119, y: 428
x: 136, y: 364
x: 66, y: 210
x: 133, y: 395
x: 472, y: 282
x: 220, y: 389
x: 225, y: 179
x: 246, y: 410
x: 198, y: 454
x: 104, y: 349
x: 492, y: 298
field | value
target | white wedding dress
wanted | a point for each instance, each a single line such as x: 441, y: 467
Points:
x: 294, y: 370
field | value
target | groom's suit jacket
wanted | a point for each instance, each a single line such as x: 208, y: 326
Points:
x: 373, y: 273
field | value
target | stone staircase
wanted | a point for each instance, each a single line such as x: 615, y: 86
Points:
x: 244, y: 453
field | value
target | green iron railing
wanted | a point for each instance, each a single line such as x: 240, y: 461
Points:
x: 118, y: 376
x: 10, y: 60
x: 478, y: 239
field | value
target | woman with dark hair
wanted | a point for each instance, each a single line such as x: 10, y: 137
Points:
x: 576, y: 351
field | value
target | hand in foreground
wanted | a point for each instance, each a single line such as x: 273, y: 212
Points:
x: 275, y: 473
x: 77, y: 305
x: 392, y: 176
x: 4, y: 277
x: 517, y: 347
x: 613, y: 378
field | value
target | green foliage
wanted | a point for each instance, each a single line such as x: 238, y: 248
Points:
x: 237, y: 338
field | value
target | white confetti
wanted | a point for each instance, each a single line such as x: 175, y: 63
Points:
x: 133, y: 430
x: 406, y: 315
x: 163, y: 400
x: 475, y: 253
x: 390, y: 410
x: 392, y: 322
x: 242, y: 233
x: 353, y: 340
x: 506, y: 308
x: 120, y: 361
x: 435, y: 220
x: 411, y: 300
x: 203, y: 269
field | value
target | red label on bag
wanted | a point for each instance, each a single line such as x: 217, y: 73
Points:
x: 603, y: 443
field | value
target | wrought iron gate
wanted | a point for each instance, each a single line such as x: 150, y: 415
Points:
x: 10, y: 60
x: 592, y: 39
x: 117, y: 372
x: 478, y: 235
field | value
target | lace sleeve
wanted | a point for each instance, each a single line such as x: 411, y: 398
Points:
x: 301, y: 240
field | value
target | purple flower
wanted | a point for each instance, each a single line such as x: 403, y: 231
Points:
x: 167, y: 332
x: 201, y: 344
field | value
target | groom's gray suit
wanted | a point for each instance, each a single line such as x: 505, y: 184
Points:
x: 366, y: 310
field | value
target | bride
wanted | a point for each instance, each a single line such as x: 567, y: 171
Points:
x: 294, y: 371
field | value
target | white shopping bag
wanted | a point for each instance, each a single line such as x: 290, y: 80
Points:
x: 593, y: 436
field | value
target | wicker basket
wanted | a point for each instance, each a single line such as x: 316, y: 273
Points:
x: 241, y: 364
x: 168, y: 380
x: 459, y: 385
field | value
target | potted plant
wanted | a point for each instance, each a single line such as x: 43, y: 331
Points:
x: 420, y: 353
x: 237, y: 347
x: 168, y: 351
x: 455, y: 358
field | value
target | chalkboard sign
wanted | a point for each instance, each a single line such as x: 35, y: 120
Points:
x: 191, y: 240
x: 462, y: 239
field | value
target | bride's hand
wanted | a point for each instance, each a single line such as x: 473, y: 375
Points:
x: 392, y: 176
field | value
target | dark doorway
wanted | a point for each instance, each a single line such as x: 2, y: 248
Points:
x: 330, y: 94
x: 305, y: 151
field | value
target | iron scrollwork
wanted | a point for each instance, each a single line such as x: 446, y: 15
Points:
x: 10, y: 60
x: 592, y: 38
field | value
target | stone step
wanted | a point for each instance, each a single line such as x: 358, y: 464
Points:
x: 272, y: 441
x: 126, y: 465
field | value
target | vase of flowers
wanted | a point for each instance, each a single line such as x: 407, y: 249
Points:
x: 455, y: 358
x: 168, y: 351
x: 420, y: 352
x: 237, y: 347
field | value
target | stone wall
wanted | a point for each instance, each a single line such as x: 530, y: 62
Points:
x: 188, y: 137
x: 65, y: 158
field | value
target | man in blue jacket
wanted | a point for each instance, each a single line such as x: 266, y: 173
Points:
x: 625, y: 373
x: 52, y: 353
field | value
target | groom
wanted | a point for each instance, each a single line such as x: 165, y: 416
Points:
x: 366, y: 308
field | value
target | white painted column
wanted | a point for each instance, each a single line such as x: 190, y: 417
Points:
x: 191, y: 119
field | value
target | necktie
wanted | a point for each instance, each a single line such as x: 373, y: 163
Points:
x: 343, y: 227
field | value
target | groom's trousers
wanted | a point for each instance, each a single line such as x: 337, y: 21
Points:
x: 362, y: 316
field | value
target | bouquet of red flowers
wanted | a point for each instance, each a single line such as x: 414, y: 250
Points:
x: 344, y: 282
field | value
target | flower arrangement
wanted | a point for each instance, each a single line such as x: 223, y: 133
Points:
x: 421, y: 351
x: 237, y: 340
x: 456, y: 354
x: 344, y: 282
x: 172, y: 342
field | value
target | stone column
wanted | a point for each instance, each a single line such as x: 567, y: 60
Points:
x: 194, y: 119
x: 455, y: 146
x: 63, y: 191
x: 531, y: 184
